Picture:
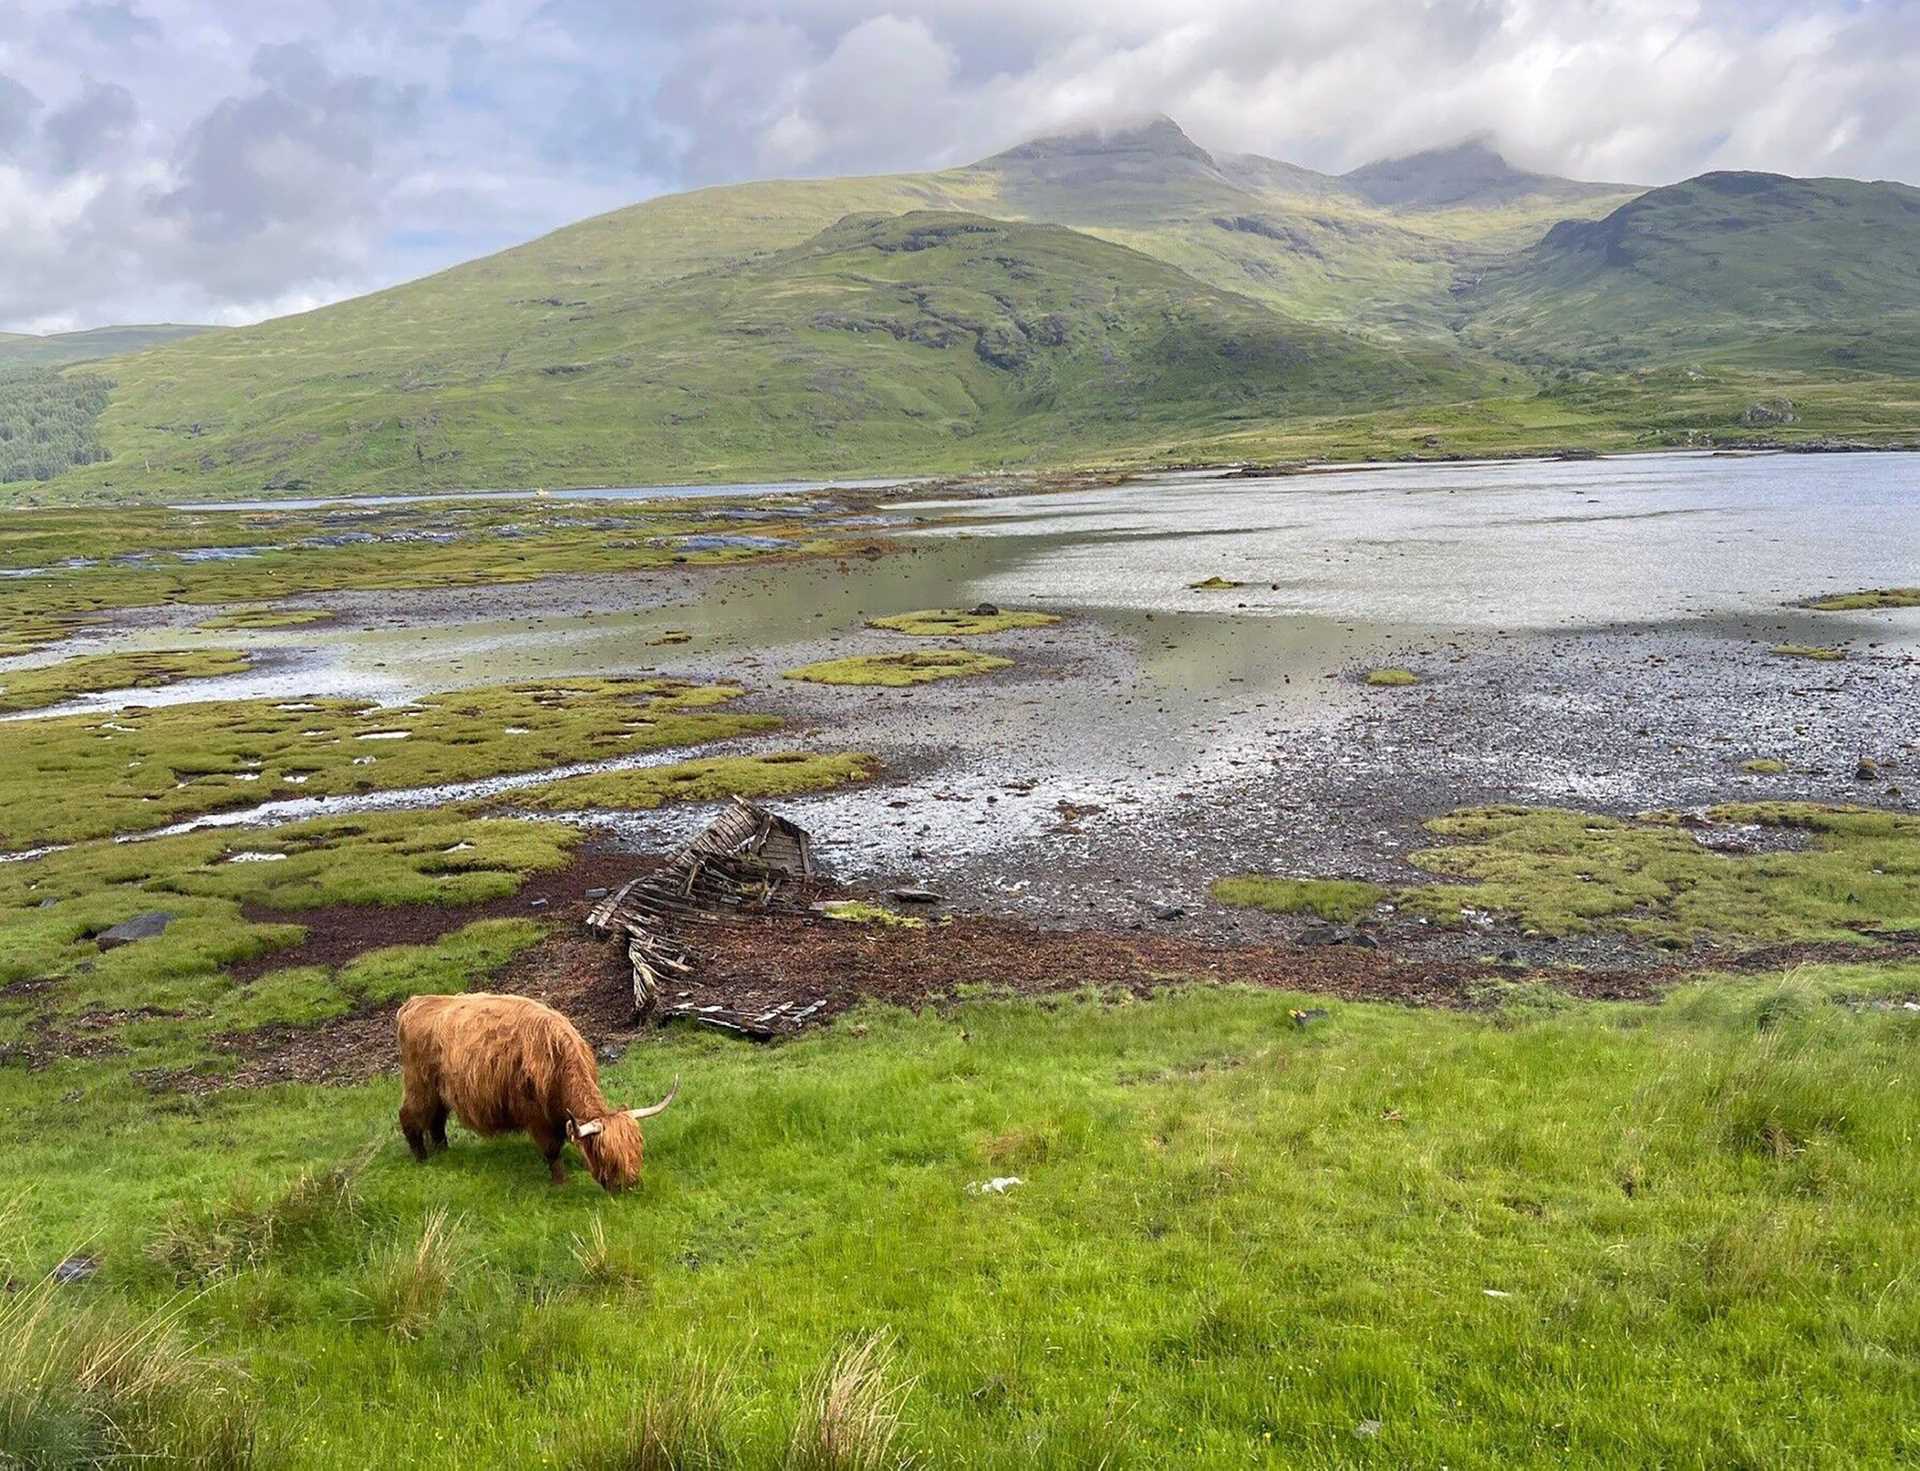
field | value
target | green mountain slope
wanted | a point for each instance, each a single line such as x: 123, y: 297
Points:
x: 19, y: 349
x: 1797, y: 273
x: 930, y: 340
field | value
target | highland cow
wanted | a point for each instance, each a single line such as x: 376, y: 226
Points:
x: 507, y: 1063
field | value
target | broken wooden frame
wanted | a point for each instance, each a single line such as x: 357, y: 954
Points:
x: 749, y: 863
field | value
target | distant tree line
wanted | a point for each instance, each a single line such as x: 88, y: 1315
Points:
x: 49, y: 422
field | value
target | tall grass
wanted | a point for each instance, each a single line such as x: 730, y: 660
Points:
x: 206, y: 1242
x: 405, y: 1286
x: 682, y: 1420
x: 96, y: 1386
x: 850, y: 1419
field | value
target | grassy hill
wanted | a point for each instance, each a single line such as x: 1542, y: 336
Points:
x: 1191, y: 302
x: 930, y: 340
x: 1764, y: 269
x: 18, y: 349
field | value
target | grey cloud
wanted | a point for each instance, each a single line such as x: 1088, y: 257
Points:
x: 200, y: 157
x: 113, y: 24
x: 96, y: 123
x: 17, y: 109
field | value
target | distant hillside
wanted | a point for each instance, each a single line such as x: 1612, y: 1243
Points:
x: 1090, y: 296
x: 22, y: 350
x: 1796, y: 272
x: 930, y: 340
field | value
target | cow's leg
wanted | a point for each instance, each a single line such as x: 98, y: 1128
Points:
x: 416, y: 1113
x: 550, y: 1142
x: 437, y: 1126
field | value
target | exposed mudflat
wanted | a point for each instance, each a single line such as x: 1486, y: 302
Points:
x: 1596, y: 635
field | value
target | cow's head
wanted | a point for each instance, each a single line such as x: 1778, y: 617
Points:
x: 611, y: 1144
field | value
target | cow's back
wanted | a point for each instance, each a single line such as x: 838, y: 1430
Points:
x: 494, y: 1060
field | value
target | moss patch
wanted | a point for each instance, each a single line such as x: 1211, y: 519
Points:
x: 858, y: 911
x: 82, y: 776
x: 1807, y: 651
x: 898, y: 669
x: 1878, y: 597
x: 779, y: 774
x: 53, y: 684
x: 1215, y: 584
x: 52, y: 908
x: 958, y: 623
x: 268, y: 618
x: 1340, y: 900
x: 1764, y: 766
x: 1566, y: 872
x: 1392, y: 677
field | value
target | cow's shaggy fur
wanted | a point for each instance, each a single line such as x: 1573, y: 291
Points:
x: 507, y: 1063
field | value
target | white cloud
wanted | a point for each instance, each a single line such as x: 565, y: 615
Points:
x: 197, y: 159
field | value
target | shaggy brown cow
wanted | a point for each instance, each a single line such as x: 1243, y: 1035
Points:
x: 503, y: 1063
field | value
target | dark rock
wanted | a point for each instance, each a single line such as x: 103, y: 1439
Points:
x: 140, y: 927
x: 1363, y: 940
x: 596, y: 893
x: 1169, y: 911
x: 983, y: 610
x: 915, y: 896
x: 1308, y: 1017
x: 1509, y: 957
x: 1322, y: 934
x: 1867, y: 770
x: 76, y: 1269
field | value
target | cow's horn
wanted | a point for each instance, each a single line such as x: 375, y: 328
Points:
x: 588, y: 1129
x: 660, y: 1107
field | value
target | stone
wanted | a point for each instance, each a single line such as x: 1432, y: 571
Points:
x: 140, y: 927
x: 1867, y: 770
x: 983, y: 610
x: 1169, y: 911
x: 536, y: 904
x: 596, y: 893
x: 1364, y: 940
x: 76, y: 1269
x: 1308, y: 1017
x: 1321, y: 934
x: 915, y: 896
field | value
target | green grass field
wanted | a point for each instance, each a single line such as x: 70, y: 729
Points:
x: 1578, y: 1234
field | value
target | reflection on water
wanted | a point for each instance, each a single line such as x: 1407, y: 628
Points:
x: 1336, y: 568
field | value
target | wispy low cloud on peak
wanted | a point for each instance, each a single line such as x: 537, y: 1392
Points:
x: 200, y: 160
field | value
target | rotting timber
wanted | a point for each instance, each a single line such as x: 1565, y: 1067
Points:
x: 748, y: 864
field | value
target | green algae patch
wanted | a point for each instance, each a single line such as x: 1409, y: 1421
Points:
x: 1867, y: 600
x: 1807, y: 651
x: 267, y: 618
x: 1569, y: 872
x: 1392, y: 678
x: 21, y: 634
x: 1214, y: 584
x: 1764, y: 766
x: 1338, y: 900
x: 962, y: 623
x: 858, y: 911
x: 68, y: 778
x: 779, y: 774
x: 898, y: 670
x: 236, y: 897
x: 54, y: 684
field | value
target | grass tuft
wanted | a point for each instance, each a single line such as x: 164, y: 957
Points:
x: 1808, y: 651
x: 682, y: 1420
x: 405, y: 1286
x: 84, y: 1387
x: 851, y: 1418
x: 1875, y: 597
x: 1392, y: 678
x: 208, y: 1242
